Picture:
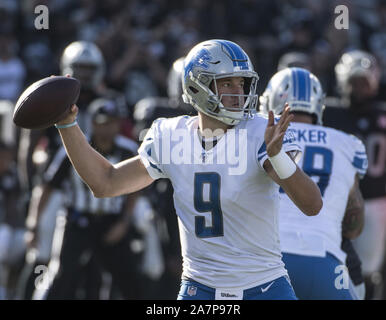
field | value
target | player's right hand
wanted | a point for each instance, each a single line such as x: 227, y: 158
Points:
x: 274, y: 133
x: 70, y: 117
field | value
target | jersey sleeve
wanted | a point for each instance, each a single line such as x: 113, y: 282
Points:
x: 359, y: 156
x: 289, y: 145
x: 150, y: 151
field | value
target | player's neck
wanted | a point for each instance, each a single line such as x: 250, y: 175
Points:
x: 210, y: 127
x: 303, y: 118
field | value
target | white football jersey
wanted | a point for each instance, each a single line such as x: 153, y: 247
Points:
x: 227, y: 205
x: 331, y: 158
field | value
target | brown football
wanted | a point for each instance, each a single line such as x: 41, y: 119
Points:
x: 45, y: 102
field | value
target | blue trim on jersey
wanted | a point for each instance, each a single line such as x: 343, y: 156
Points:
x: 237, y: 56
x: 359, y: 163
x: 288, y: 143
x: 262, y: 152
x: 262, y: 149
x: 155, y: 167
x: 148, y: 151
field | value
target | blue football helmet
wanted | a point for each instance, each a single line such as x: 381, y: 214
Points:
x: 216, y: 59
x: 299, y: 88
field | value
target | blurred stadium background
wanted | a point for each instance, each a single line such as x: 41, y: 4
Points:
x: 140, y: 40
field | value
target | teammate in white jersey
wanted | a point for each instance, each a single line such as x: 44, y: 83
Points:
x: 335, y: 160
x: 225, y: 166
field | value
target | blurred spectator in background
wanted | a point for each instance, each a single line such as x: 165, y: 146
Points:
x: 377, y: 44
x: 99, y: 234
x: 294, y: 59
x: 322, y: 64
x: 140, y: 39
x: 8, y: 13
x: 358, y: 111
x: 12, y: 246
x: 7, y: 128
x: 12, y: 70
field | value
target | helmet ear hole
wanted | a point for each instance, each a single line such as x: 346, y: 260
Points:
x: 194, y: 90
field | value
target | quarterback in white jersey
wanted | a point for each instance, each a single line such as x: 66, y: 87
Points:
x: 226, y: 166
x: 228, y: 234
x: 334, y: 160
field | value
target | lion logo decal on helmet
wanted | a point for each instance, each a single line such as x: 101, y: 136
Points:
x: 200, y: 60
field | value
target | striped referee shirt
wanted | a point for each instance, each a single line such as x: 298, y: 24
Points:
x: 60, y: 174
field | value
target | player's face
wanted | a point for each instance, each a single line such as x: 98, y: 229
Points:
x: 361, y: 88
x: 85, y: 73
x: 228, y: 87
x: 107, y: 130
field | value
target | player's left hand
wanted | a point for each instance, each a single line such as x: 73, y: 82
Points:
x: 274, y: 133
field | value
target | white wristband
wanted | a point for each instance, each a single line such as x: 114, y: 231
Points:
x: 283, y: 165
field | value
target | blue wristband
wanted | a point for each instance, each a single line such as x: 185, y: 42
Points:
x: 66, y: 125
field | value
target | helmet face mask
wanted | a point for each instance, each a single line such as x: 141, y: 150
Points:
x: 297, y: 87
x: 210, y: 61
x: 84, y: 73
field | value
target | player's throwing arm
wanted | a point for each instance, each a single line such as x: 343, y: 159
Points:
x: 102, y: 177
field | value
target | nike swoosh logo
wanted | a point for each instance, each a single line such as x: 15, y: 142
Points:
x: 267, y: 287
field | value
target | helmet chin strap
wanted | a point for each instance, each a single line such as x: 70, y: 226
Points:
x: 223, y: 119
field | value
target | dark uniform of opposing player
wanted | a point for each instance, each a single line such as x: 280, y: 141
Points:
x: 161, y: 192
x: 11, y: 223
x: 96, y: 229
x: 357, y: 111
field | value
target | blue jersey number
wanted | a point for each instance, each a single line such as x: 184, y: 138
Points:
x: 213, y: 180
x: 323, y: 171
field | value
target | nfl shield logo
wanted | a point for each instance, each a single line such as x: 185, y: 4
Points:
x: 192, y: 290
